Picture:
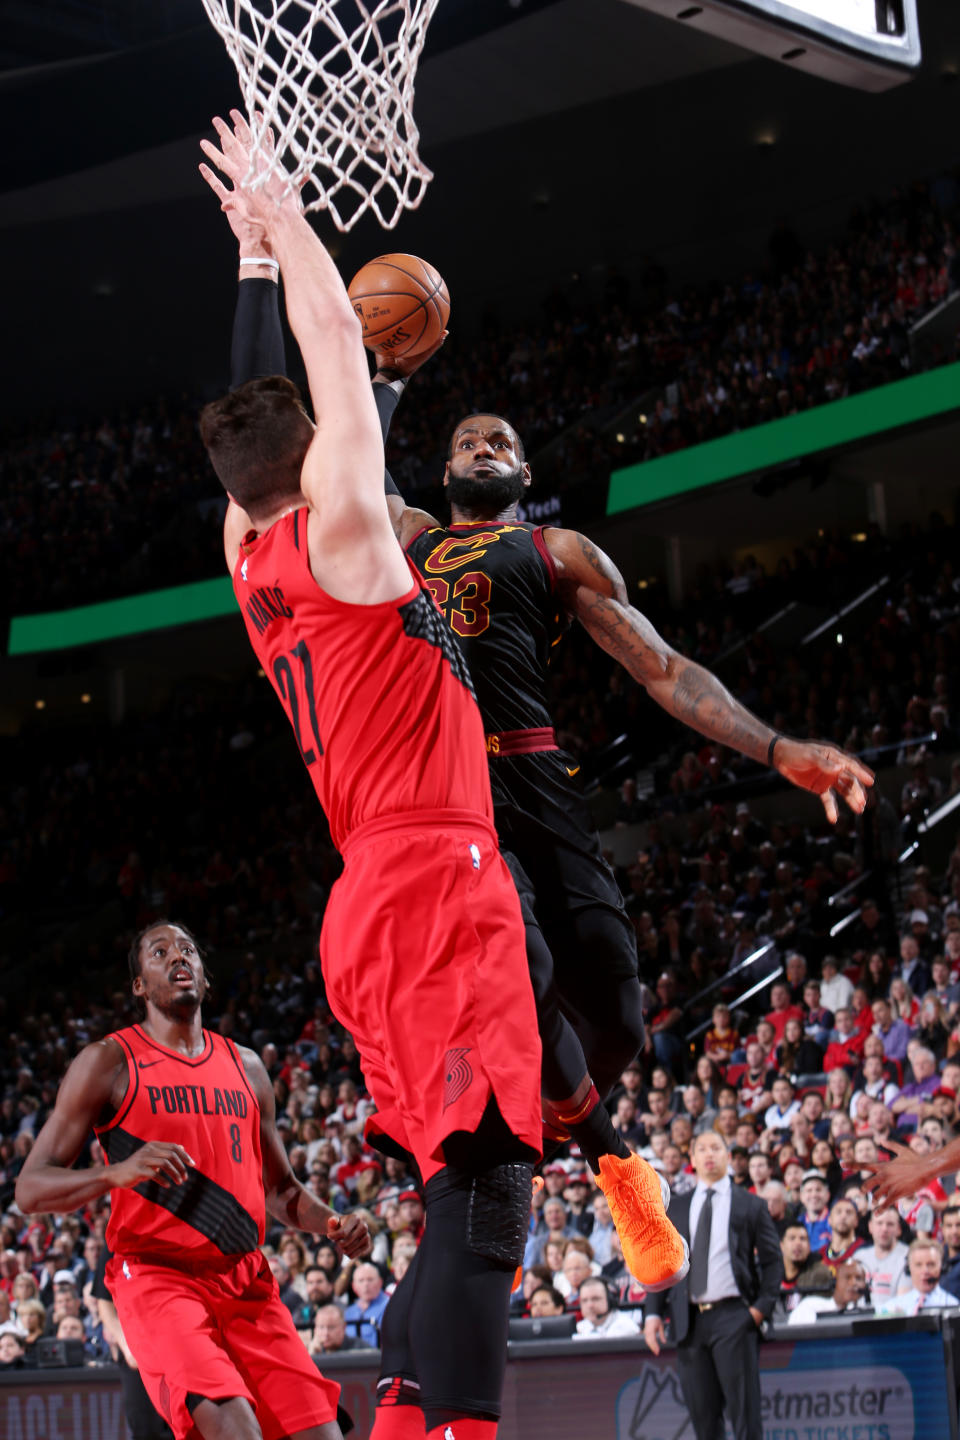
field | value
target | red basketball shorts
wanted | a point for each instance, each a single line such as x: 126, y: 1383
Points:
x: 424, y: 959
x: 219, y: 1333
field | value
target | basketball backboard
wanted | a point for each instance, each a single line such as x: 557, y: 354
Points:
x: 868, y: 44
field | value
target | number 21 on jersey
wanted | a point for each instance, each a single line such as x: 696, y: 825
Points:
x: 292, y: 674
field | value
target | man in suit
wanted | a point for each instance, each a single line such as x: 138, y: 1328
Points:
x: 730, y: 1291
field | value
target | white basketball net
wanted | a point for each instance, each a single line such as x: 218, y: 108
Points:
x: 335, y: 81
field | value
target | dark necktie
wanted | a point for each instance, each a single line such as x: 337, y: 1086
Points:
x: 701, y: 1247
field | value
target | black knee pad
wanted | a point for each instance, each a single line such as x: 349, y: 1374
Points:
x: 498, y: 1213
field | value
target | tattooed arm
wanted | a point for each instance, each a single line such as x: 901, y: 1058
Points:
x: 592, y: 589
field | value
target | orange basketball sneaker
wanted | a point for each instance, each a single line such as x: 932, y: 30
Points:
x: 654, y: 1251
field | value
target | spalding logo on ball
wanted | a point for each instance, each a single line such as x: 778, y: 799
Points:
x: 403, y: 304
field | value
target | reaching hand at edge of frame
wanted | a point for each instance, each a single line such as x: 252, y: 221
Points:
x: 897, y: 1178
x: 825, y: 770
x: 247, y: 204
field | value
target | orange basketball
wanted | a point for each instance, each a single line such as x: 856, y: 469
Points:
x: 403, y: 303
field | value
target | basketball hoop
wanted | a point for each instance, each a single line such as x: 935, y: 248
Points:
x: 334, y: 80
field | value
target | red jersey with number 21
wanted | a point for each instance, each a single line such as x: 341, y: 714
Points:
x: 379, y: 695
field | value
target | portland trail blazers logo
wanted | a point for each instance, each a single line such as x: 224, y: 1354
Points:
x: 458, y: 1074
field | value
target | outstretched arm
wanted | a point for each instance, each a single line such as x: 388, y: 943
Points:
x: 391, y: 379
x: 354, y: 553
x: 907, y: 1172
x: 286, y: 1198
x: 593, y: 590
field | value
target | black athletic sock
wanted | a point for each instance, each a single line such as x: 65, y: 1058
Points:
x: 587, y: 1120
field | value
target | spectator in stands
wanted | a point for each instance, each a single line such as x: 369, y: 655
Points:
x: 785, y: 1105
x: 913, y: 967
x: 553, y: 1225
x: 872, y: 932
x: 895, y: 1034
x: 695, y: 1106
x: 849, y: 1287
x: 911, y: 1105
x: 876, y: 982
x: 874, y: 1082
x: 721, y: 1040
x: 818, y: 1021
x: 924, y: 1262
x: 576, y: 1195
x: 577, y: 1265
x: 626, y: 1122
x: 664, y: 1025
x: 602, y: 1320
x: 885, y: 1260
x: 760, y: 1170
x: 365, y: 1314
x: 836, y: 990
x: 318, y: 1291
x: 904, y: 1005
x: 932, y: 1028
x: 782, y: 1009
x: 754, y: 1087
x: 843, y: 1239
x: 602, y: 1233
x: 545, y: 1301
x: 13, y: 1349
x: 775, y: 1194
x: 32, y: 1319
x: 950, y: 1222
x: 412, y: 1213
x: 815, y: 1199
x: 658, y: 1114
x: 944, y: 989
x: 803, y: 1271
x: 329, y: 1335
x: 797, y: 1053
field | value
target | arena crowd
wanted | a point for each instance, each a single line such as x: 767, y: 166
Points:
x: 857, y: 1040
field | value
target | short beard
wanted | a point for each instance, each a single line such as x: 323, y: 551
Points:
x: 490, y: 495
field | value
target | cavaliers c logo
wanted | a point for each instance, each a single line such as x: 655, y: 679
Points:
x: 458, y: 1074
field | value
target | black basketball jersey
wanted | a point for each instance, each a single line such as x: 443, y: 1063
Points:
x: 495, y: 583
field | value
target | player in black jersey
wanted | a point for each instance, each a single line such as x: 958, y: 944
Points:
x: 508, y: 590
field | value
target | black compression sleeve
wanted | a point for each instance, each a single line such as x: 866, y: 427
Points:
x: 387, y: 399
x: 257, y: 345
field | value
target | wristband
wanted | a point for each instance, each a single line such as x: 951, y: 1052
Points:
x: 770, y: 749
x: 270, y: 264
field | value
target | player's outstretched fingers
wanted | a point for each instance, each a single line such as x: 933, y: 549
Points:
x: 216, y: 185
x: 829, y: 801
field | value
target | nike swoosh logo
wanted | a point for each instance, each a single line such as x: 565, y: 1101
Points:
x: 574, y: 771
x: 145, y: 1064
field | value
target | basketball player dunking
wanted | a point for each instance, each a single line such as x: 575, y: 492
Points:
x: 194, y: 1162
x: 423, y: 944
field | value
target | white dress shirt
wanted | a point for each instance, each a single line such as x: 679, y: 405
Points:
x: 837, y: 993
x: 615, y: 1326
x: 911, y: 1302
x: 721, y: 1283
x: 813, y: 1305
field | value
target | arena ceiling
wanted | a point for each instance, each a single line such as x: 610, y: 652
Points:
x: 566, y: 136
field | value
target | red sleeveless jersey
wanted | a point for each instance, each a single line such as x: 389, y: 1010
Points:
x: 379, y: 696
x: 207, y: 1105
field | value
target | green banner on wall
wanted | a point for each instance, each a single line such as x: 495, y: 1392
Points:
x: 904, y: 402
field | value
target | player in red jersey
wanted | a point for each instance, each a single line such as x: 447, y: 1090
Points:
x: 638, y: 1198
x: 422, y: 946
x: 186, y: 1121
